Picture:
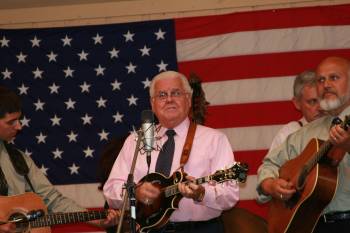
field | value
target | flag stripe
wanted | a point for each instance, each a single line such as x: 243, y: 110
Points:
x: 259, y: 65
x: 260, y: 90
x: 264, y: 113
x: 252, y: 137
x: 252, y: 158
x: 260, y: 20
x: 264, y: 41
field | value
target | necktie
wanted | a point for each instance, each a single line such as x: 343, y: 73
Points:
x: 166, y: 154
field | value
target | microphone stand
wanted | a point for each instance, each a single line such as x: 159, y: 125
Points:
x: 130, y: 189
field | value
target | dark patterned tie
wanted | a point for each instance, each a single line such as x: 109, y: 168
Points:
x: 3, y: 184
x: 166, y: 154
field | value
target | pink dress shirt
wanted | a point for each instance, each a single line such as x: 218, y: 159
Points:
x: 211, y: 151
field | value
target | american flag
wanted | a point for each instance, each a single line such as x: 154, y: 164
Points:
x: 247, y: 62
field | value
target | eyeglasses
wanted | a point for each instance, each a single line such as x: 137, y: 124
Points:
x: 163, y: 95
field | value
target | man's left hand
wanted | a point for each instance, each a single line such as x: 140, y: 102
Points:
x: 111, y: 220
x: 191, y: 190
x: 339, y: 137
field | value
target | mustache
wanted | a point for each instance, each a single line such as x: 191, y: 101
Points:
x: 329, y: 92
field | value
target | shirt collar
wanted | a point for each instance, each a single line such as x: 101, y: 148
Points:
x: 180, y: 129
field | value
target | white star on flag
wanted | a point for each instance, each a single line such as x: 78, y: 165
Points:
x: 41, y: 138
x: 129, y: 36
x: 35, y: 42
x: 113, y: 53
x: 70, y: 104
x: 74, y: 169
x: 4, y: 42
x: 101, y: 102
x: 146, y: 83
x: 52, y: 56
x: 57, y: 154
x: 116, y: 85
x: 55, y: 120
x: 118, y: 117
x: 132, y: 100
x: 85, y: 87
x: 131, y: 68
x: 162, y: 66
x: 68, y: 72
x: 103, y: 135
x: 54, y: 88
x: 82, y: 55
x: 23, y: 89
x: 21, y: 57
x: 160, y: 34
x: 100, y: 70
x: 145, y: 51
x: 7, y: 74
x: 86, y: 119
x: 25, y: 121
x: 72, y: 137
x: 38, y: 73
x: 39, y: 105
x: 97, y: 39
x: 66, y: 41
x: 88, y: 152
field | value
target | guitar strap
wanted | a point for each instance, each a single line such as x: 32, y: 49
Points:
x: 188, y: 144
x: 18, y: 163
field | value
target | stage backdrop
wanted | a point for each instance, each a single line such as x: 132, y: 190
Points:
x: 81, y: 86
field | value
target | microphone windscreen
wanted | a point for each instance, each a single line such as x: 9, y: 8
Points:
x: 147, y: 116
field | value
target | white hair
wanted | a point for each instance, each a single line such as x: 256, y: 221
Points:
x: 167, y: 75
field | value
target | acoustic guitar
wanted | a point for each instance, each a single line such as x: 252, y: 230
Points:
x: 17, y: 208
x: 314, y: 174
x: 157, y: 214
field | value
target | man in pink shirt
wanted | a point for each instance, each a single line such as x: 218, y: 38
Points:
x: 201, y: 205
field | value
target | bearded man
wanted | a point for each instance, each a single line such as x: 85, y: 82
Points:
x: 333, y: 88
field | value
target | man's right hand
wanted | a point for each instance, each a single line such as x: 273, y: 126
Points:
x: 147, y: 193
x: 278, y: 188
x: 8, y: 228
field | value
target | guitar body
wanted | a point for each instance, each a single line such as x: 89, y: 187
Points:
x: 20, y: 205
x: 157, y: 214
x: 315, y: 190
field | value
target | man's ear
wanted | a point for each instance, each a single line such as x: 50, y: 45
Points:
x: 296, y: 103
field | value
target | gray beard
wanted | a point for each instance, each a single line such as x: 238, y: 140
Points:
x: 330, y: 105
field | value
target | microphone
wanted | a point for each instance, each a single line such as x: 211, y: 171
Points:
x: 147, y: 127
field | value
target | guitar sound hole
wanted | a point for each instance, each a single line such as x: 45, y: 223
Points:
x: 21, y: 226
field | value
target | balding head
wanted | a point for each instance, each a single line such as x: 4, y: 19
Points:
x: 333, y: 84
x: 338, y: 61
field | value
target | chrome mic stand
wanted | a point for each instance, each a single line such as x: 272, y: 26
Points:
x: 130, y: 189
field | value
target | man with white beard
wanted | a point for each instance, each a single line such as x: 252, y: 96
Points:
x: 333, y: 87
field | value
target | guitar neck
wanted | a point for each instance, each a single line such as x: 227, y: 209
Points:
x: 66, y: 218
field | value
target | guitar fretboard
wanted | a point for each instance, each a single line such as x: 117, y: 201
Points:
x: 65, y: 218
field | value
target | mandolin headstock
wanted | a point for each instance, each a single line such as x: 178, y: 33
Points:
x: 237, y: 171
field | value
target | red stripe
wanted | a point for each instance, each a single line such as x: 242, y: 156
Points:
x: 252, y: 158
x: 253, y: 114
x: 79, y: 227
x: 254, y: 207
x: 257, y: 65
x: 259, y: 20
